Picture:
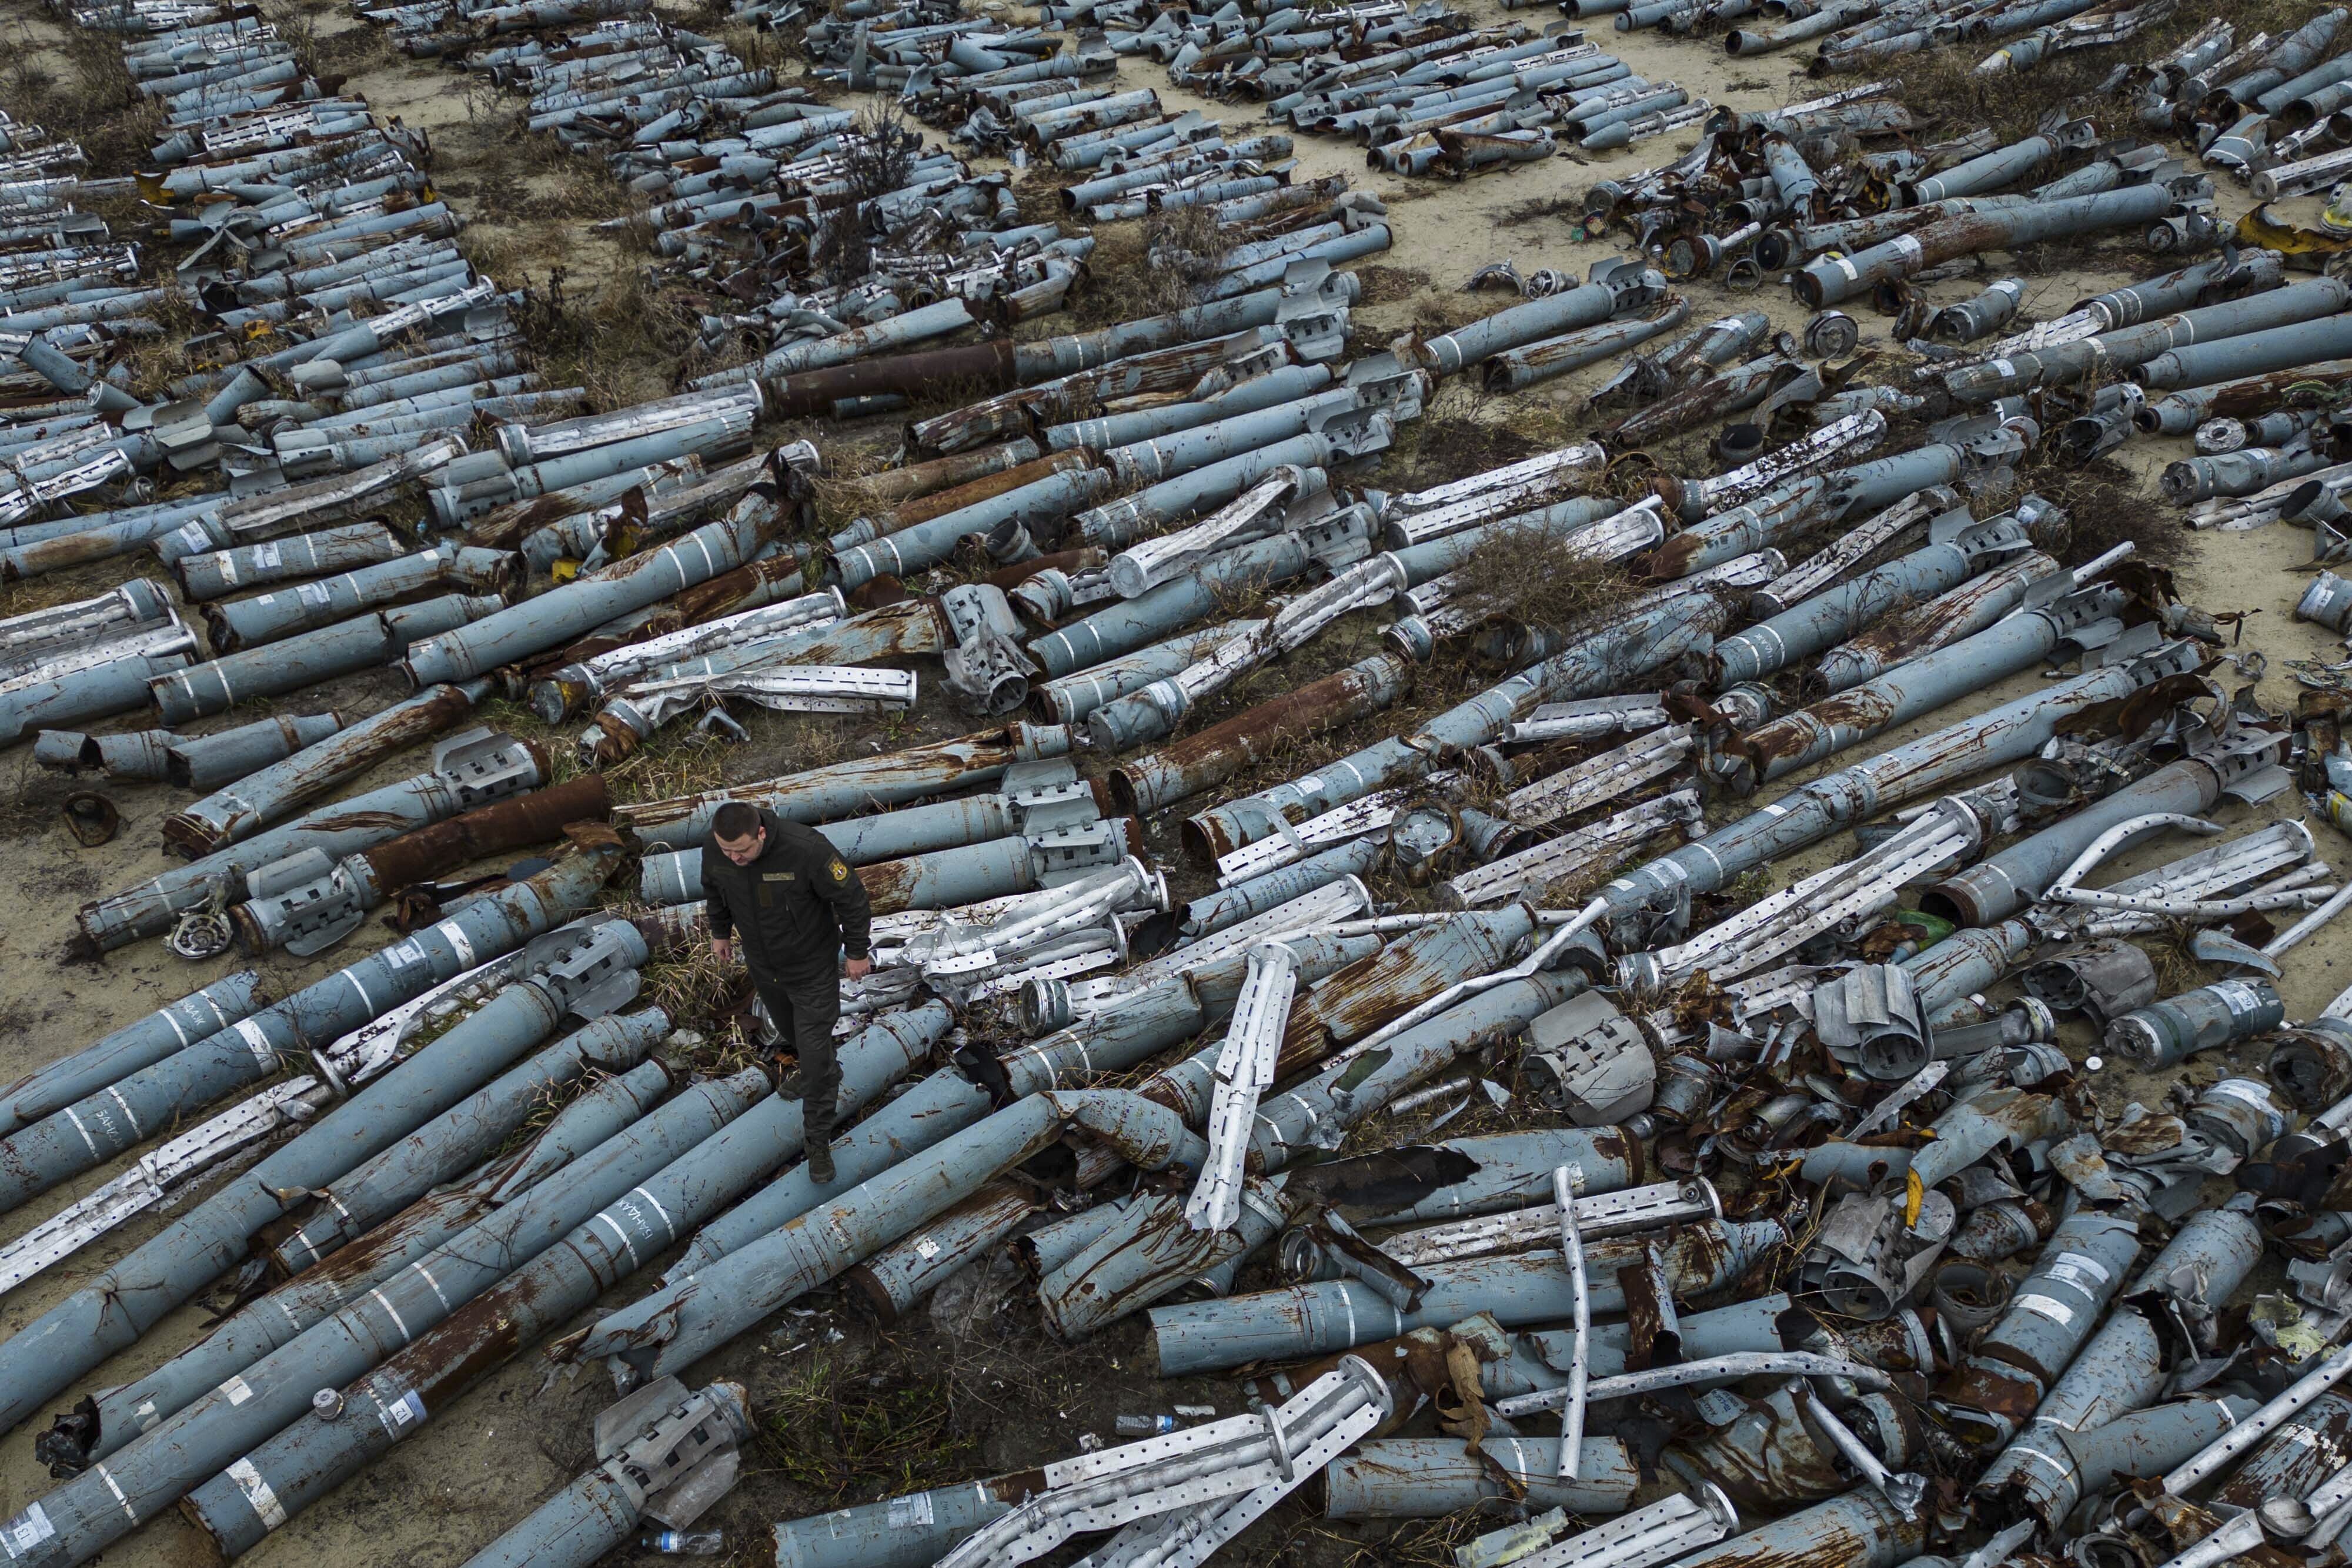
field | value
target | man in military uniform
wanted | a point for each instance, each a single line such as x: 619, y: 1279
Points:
x: 797, y: 907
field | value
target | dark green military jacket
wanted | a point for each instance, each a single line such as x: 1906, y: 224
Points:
x: 796, y: 906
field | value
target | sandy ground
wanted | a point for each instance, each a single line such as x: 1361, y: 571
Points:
x: 481, y: 1466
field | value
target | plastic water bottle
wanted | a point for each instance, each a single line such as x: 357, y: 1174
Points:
x: 679, y: 1543
x: 1144, y: 1426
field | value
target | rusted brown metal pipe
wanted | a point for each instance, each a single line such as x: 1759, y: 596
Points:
x: 533, y: 819
x: 2180, y: 413
x: 306, y: 918
x: 504, y: 527
x: 923, y: 509
x: 894, y: 486
x: 986, y: 366
x: 745, y: 588
x: 1204, y: 760
x: 1027, y: 410
x: 1085, y: 557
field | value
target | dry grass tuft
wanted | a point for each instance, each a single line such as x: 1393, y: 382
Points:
x: 495, y: 253
x: 29, y: 800
x: 1941, y: 88
x: 853, y: 1438
x: 1391, y: 285
x: 1541, y: 210
x: 2105, y: 506
x: 1417, y: 1544
x: 345, y: 52
x: 1037, y: 197
x: 299, y: 30
x: 2178, y: 968
x: 579, y: 191
x: 1540, y: 579
x: 844, y: 493
x: 876, y: 157
x: 699, y: 992
x: 155, y: 362
x: 90, y: 101
x: 1462, y: 432
x: 1190, y: 236
x: 1126, y: 282
x: 629, y: 343
x: 678, y: 762
x: 794, y: 743
x: 348, y: 49
x: 759, y: 49
x: 2272, y: 17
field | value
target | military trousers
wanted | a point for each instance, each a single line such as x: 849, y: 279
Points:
x: 805, y: 1011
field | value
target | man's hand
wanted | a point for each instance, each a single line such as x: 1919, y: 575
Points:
x: 858, y: 968
x: 722, y: 949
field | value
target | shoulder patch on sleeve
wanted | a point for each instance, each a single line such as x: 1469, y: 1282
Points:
x: 840, y: 868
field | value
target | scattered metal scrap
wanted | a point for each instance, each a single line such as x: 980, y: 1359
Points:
x: 1826, y: 1201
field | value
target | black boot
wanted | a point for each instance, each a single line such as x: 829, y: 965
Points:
x: 784, y: 1072
x: 820, y: 1164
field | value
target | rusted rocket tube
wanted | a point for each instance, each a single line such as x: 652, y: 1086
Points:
x: 1837, y: 279
x: 318, y: 912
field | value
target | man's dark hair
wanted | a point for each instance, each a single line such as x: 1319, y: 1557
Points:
x: 735, y: 820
